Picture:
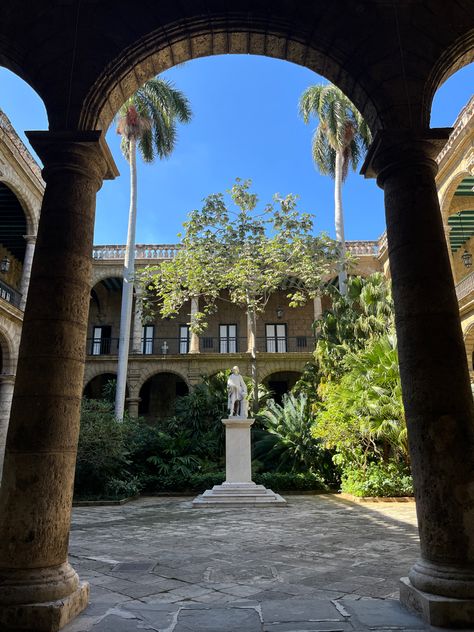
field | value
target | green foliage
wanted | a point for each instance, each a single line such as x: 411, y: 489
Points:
x: 341, y: 128
x: 242, y: 254
x: 362, y: 415
x: 103, y: 456
x: 378, y: 479
x: 286, y: 442
x: 291, y: 481
x: 364, y: 313
x: 150, y: 116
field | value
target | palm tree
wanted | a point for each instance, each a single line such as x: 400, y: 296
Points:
x: 147, y: 121
x: 339, y: 140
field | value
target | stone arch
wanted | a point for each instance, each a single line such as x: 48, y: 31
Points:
x: 158, y: 394
x: 294, y: 366
x: 449, y: 189
x: 164, y: 367
x: 223, y: 31
x: 100, y: 273
x: 9, y: 342
x: 30, y: 203
x: 469, y: 344
x: 97, y: 388
x: 460, y: 53
x: 93, y: 369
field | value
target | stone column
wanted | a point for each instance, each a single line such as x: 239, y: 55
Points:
x: 133, y: 403
x: 25, y: 278
x: 194, y: 339
x: 318, y: 308
x: 137, y: 332
x: 435, y: 379
x: 39, y: 588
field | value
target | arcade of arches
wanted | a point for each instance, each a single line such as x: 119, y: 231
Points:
x: 389, y: 58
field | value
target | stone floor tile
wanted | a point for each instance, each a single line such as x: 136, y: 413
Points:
x: 219, y: 620
x: 296, y: 609
x: 378, y: 613
x: 303, y: 626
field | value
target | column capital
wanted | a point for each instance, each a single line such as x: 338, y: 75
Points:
x: 392, y: 149
x: 83, y: 151
x: 30, y: 239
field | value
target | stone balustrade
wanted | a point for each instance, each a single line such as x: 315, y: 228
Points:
x: 142, y: 251
x: 465, y: 287
x: 361, y: 248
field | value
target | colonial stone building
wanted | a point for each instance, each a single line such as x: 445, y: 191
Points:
x: 166, y: 359
x: 21, y: 192
x: 85, y: 60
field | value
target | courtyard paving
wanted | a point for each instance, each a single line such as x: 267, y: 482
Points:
x: 322, y: 564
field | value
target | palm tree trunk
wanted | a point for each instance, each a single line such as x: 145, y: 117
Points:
x: 253, y: 359
x: 339, y: 221
x: 127, y: 289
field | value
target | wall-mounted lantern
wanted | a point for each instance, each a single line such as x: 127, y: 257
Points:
x: 5, y: 265
x: 466, y: 259
x: 279, y: 312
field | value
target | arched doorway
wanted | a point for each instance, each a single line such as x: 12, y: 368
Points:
x: 280, y: 383
x: 159, y: 393
x: 101, y: 386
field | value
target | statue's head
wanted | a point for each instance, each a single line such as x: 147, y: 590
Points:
x: 235, y: 370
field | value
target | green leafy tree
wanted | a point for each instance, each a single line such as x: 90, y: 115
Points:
x: 338, y: 142
x: 362, y: 414
x: 363, y: 313
x: 243, y: 256
x: 147, y: 121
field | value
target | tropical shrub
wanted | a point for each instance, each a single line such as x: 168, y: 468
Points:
x: 378, y: 479
x: 291, y: 481
x: 103, y: 456
x: 286, y: 442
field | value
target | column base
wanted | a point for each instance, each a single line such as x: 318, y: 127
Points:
x: 445, y: 612
x: 238, y: 495
x: 49, y: 616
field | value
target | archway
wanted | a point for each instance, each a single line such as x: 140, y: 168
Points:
x: 100, y: 387
x: 390, y: 78
x: 280, y: 383
x: 158, y: 395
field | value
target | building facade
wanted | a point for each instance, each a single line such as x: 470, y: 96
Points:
x: 166, y: 359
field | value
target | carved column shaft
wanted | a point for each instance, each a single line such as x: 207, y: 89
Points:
x: 36, y: 492
x: 435, y: 380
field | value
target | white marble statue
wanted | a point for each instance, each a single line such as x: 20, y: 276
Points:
x: 237, y: 395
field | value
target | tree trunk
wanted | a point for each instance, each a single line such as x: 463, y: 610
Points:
x: 339, y: 221
x: 127, y: 289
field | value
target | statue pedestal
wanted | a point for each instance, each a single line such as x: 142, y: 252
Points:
x: 238, y: 488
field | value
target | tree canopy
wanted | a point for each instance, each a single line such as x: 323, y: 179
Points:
x: 243, y: 252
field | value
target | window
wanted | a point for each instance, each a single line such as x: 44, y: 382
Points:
x: 184, y: 338
x: 101, y: 339
x: 276, y: 338
x: 148, y: 334
x: 227, y: 338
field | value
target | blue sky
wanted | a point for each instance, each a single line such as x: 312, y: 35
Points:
x: 245, y: 125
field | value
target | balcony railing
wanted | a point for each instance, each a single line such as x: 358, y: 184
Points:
x: 142, y: 251
x: 465, y: 287
x: 9, y: 295
x: 207, y: 344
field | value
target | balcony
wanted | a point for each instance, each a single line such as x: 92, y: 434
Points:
x: 9, y: 295
x: 207, y: 345
x: 465, y: 287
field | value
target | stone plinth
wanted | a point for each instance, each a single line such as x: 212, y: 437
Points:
x: 445, y: 612
x: 238, y: 488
